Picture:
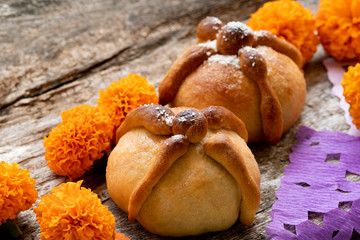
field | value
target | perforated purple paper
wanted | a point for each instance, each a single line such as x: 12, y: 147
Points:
x: 317, y: 182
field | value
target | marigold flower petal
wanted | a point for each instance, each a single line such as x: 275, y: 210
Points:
x: 351, y: 85
x: 17, y: 190
x: 288, y: 20
x: 82, y: 137
x: 338, y: 25
x: 121, y: 236
x: 125, y: 95
x: 73, y: 212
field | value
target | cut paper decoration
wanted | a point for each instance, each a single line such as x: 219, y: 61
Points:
x: 335, y: 71
x: 319, y: 197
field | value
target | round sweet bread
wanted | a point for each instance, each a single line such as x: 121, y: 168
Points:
x: 178, y: 184
x: 218, y: 82
x: 254, y: 74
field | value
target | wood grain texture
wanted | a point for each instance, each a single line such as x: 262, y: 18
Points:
x: 59, y: 54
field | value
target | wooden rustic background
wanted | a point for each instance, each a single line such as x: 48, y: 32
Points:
x: 58, y: 54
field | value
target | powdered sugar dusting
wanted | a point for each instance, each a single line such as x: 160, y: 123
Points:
x: 169, y: 120
x: 235, y: 27
x: 163, y: 115
x: 261, y: 33
x: 209, y: 44
x: 212, y: 21
x: 188, y: 116
x: 178, y: 137
x: 252, y: 52
x: 232, y: 60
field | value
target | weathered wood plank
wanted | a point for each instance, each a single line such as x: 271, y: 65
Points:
x: 44, y: 45
x: 58, y: 55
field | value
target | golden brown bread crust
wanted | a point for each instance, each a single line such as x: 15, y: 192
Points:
x: 222, y: 149
x: 153, y: 117
x: 231, y: 38
x: 191, y: 123
x: 196, y: 195
x: 219, y: 117
x: 170, y: 150
x: 191, y: 59
x: 144, y: 172
x: 225, y: 85
x: 254, y: 67
x: 208, y: 28
x: 266, y: 38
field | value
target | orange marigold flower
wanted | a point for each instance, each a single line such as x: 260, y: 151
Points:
x: 288, y: 20
x: 82, y: 137
x: 120, y: 236
x: 17, y: 190
x: 125, y: 95
x: 73, y: 212
x: 338, y: 24
x: 351, y: 85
